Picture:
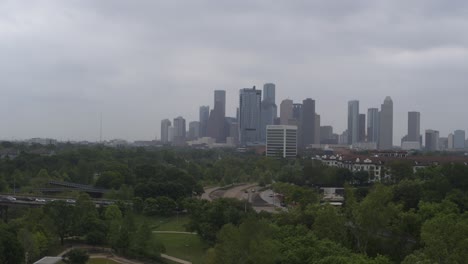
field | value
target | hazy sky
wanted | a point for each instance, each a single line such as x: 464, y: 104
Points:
x: 62, y: 63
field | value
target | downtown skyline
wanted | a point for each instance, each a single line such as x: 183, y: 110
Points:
x: 67, y: 63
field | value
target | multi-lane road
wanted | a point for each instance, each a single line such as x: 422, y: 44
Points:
x: 260, y: 200
x: 8, y: 199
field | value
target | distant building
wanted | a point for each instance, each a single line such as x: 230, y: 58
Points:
x: 216, y: 125
x: 450, y: 141
x: 343, y: 138
x: 317, y: 129
x: 165, y: 124
x: 269, y: 108
x: 204, y: 116
x: 326, y: 132
x: 414, y: 126
x: 194, y: 130
x: 373, y: 125
x: 432, y: 140
x: 443, y: 143
x: 179, y: 131
x: 171, y: 133
x: 307, y: 123
x: 286, y: 111
x: 459, y: 139
x: 362, y: 127
x: 353, y: 122
x: 386, y: 125
x: 281, y: 141
x: 249, y: 115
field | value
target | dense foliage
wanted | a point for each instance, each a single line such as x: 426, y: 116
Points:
x: 409, y: 218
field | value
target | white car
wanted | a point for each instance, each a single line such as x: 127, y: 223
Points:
x: 11, y: 198
x: 40, y: 200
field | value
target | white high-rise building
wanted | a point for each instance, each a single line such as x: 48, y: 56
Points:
x: 281, y: 141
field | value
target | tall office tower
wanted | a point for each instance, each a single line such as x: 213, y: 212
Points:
x: 443, y: 143
x: 386, y: 124
x: 179, y: 131
x: 353, y: 122
x: 432, y: 140
x: 362, y: 127
x: 165, y: 124
x: 307, y: 123
x: 269, y: 109
x: 281, y: 141
x: 216, y: 124
x: 286, y: 111
x: 296, y: 113
x: 414, y: 126
x: 326, y: 133
x: 171, y: 132
x: 204, y: 116
x: 450, y: 141
x: 373, y: 125
x: 317, y: 129
x: 194, y: 130
x: 459, y: 139
x: 343, y: 138
x: 250, y: 106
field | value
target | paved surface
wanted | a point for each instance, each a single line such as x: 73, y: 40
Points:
x: 238, y: 192
x: 207, y: 193
x: 178, y: 260
x: 174, y: 232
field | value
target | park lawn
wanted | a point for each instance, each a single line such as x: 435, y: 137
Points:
x: 184, y: 246
x: 173, y: 223
x: 101, y: 261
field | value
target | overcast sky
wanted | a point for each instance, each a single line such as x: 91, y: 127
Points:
x: 63, y: 63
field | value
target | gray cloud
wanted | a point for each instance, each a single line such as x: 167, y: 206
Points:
x: 137, y: 62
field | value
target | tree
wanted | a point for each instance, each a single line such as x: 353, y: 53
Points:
x: 160, y: 206
x: 76, y: 256
x: 330, y: 224
x: 11, y: 250
x: 62, y: 215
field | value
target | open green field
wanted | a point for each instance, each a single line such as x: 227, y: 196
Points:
x: 101, y: 261
x: 172, y: 223
x: 183, y: 246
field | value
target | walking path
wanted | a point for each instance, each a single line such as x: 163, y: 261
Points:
x: 124, y: 260
x: 174, y: 232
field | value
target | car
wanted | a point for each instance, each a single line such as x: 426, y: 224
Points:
x: 71, y: 201
x: 10, y: 198
x: 39, y: 200
x: 270, y: 195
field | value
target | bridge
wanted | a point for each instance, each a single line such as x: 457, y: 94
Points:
x: 59, y: 187
x: 8, y: 200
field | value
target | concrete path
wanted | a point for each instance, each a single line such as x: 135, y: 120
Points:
x: 208, y: 191
x: 174, y: 232
x: 178, y: 260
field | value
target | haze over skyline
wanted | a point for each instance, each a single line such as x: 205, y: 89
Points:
x: 66, y: 62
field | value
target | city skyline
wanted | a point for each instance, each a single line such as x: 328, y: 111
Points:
x: 66, y: 63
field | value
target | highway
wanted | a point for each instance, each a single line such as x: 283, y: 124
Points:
x: 35, y: 201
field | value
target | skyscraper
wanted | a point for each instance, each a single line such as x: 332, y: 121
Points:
x: 386, y: 124
x: 216, y: 124
x: 353, y: 122
x: 249, y: 115
x: 450, y: 141
x: 362, y: 127
x: 286, y: 111
x: 165, y: 124
x: 269, y: 109
x: 414, y: 126
x: 432, y: 140
x: 194, y: 130
x: 307, y: 123
x: 179, y: 130
x: 459, y: 139
x: 204, y: 116
x: 373, y: 125
x: 317, y: 129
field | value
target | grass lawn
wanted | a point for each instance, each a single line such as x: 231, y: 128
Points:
x: 183, y: 246
x: 172, y: 223
x: 101, y: 261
